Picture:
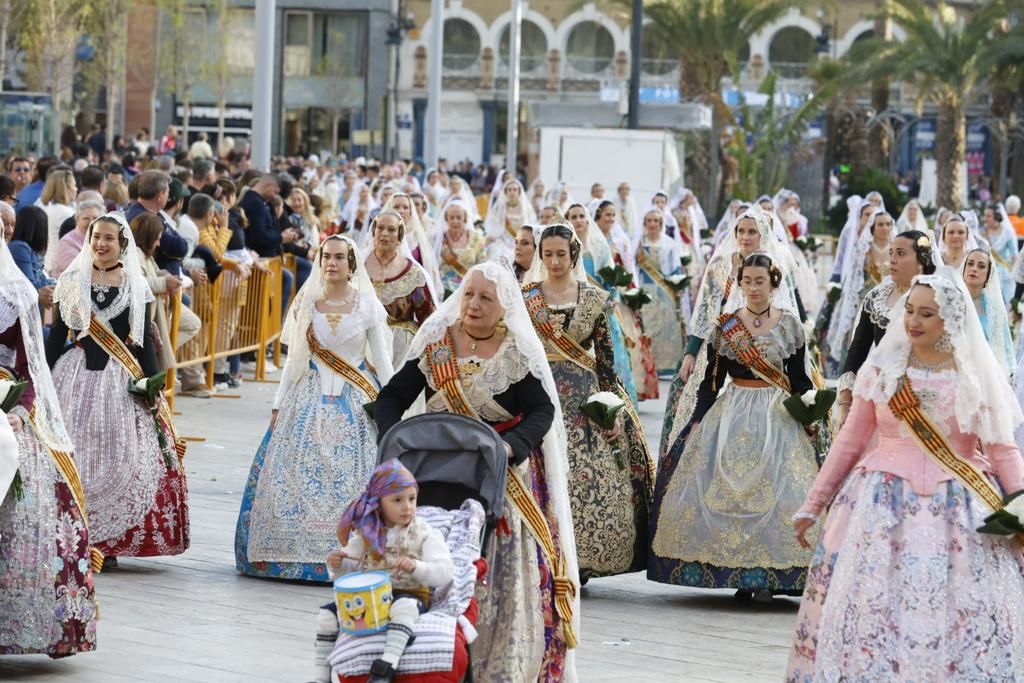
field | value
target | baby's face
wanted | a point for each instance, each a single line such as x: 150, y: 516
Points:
x: 399, y: 509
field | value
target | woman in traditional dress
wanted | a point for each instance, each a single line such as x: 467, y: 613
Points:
x: 482, y: 337
x: 912, y: 218
x: 537, y: 195
x: 657, y: 260
x: 526, y: 247
x: 402, y: 285
x: 612, y: 474
x: 955, y: 240
x: 997, y: 230
x: 419, y: 245
x: 912, y: 254
x: 986, y: 294
x: 459, y: 246
x: 866, y: 267
x: 459, y: 189
x: 511, y: 211
x: 126, y: 449
x: 628, y: 216
x: 733, y: 479
x: 47, y: 602
x: 901, y: 584
x: 358, y: 209
x: 753, y: 232
x: 320, y: 447
x: 596, y: 256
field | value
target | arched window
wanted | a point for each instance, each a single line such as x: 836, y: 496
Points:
x: 870, y: 33
x: 461, y: 44
x: 659, y: 57
x: 791, y: 45
x: 533, y: 46
x: 590, y: 48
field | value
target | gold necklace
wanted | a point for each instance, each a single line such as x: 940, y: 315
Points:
x: 945, y: 364
x: 475, y: 340
x: 343, y: 301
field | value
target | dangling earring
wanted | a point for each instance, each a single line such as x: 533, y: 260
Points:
x: 944, y: 344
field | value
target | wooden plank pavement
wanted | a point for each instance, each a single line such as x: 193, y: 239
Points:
x: 193, y: 618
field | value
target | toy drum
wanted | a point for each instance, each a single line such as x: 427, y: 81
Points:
x: 364, y: 602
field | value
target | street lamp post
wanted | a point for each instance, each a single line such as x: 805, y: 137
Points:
x: 435, y: 68
x: 263, y: 85
x: 514, y: 49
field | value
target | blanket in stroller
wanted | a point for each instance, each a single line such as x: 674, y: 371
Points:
x: 434, y: 646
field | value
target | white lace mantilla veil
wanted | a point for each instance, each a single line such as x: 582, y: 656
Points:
x: 19, y: 301
x: 996, y: 313
x: 785, y: 294
x: 844, y: 317
x: 465, y: 195
x: 74, y: 288
x: 348, y: 212
x: 596, y: 245
x: 538, y: 272
x: 415, y: 228
x: 520, y: 329
x: 300, y: 315
x: 968, y: 218
x: 903, y: 222
x: 669, y: 254
x: 441, y: 222
x: 495, y: 221
x: 983, y: 402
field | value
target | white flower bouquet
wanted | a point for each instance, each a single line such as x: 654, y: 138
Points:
x: 678, y: 282
x: 833, y: 292
x: 636, y: 297
x: 11, y: 392
x: 1007, y: 521
x: 603, y: 409
x: 149, y: 389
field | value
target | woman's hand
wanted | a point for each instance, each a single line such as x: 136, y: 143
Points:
x: 15, y: 422
x: 802, y: 525
x: 508, y: 450
x: 334, y: 558
x: 686, y: 368
x: 843, y: 407
x: 616, y: 429
x: 273, y: 420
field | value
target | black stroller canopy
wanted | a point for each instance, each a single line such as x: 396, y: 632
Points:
x: 453, y: 457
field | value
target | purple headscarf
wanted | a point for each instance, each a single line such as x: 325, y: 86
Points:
x: 363, y: 514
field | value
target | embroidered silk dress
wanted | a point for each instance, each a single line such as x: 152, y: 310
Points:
x: 901, y: 585
x: 465, y: 257
x: 134, y: 481
x: 520, y: 636
x: 407, y: 300
x: 592, y: 263
x: 318, y: 457
x: 726, y: 495
x: 47, y: 601
x: 610, y: 481
x: 662, y: 317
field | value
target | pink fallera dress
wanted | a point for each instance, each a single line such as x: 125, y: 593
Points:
x: 901, y: 585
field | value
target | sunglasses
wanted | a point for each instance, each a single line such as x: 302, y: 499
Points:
x: 21, y: 169
x: 13, y: 201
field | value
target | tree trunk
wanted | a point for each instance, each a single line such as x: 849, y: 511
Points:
x: 859, y: 143
x: 828, y: 157
x: 186, y: 114
x: 950, y: 151
x: 5, y: 18
x: 112, y: 105
x: 711, y: 204
x: 222, y: 105
x: 878, y: 134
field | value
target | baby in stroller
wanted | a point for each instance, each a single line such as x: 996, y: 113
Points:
x: 459, y: 466
x: 381, y: 531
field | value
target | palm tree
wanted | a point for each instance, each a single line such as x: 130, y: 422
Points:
x: 708, y: 36
x: 948, y: 59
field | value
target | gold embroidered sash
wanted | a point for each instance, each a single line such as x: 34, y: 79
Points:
x: 652, y: 272
x: 116, y: 349
x: 444, y: 367
x: 65, y: 465
x: 734, y: 333
x: 340, y: 366
x: 452, y: 259
x: 906, y: 406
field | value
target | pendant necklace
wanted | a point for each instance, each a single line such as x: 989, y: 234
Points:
x: 101, y: 287
x: 473, y: 344
x: 757, y: 316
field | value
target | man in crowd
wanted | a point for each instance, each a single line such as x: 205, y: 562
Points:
x: 200, y: 149
x: 263, y: 234
x: 8, y: 218
x: 20, y: 171
x: 29, y: 194
x: 153, y: 193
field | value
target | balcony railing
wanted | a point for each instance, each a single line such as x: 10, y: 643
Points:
x: 460, y: 64
x: 661, y: 68
x: 792, y: 70
x: 529, y: 66
x: 576, y: 67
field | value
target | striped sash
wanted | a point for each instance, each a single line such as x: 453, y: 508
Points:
x: 444, y: 368
x: 452, y: 259
x: 906, y: 406
x: 735, y: 334
x: 340, y: 366
x: 116, y: 349
x: 65, y: 464
x: 652, y: 272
